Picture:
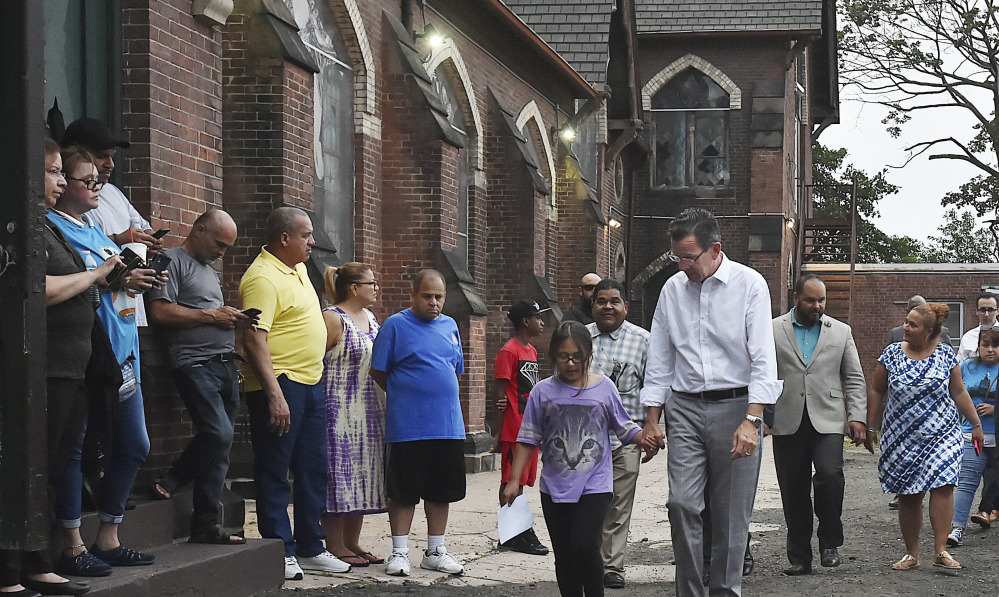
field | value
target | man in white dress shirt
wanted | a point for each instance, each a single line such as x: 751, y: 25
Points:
x: 712, y: 367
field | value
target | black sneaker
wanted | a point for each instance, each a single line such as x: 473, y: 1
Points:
x: 122, y: 556
x: 84, y: 564
x: 524, y: 545
x: 538, y: 545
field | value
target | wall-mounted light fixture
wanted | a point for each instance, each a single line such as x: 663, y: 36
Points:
x: 431, y: 36
x: 790, y: 223
x: 614, y: 223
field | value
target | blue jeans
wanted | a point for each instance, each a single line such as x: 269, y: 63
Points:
x: 210, y: 391
x: 972, y: 466
x: 302, y: 451
x: 129, y: 450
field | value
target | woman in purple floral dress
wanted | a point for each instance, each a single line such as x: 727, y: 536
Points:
x: 355, y: 408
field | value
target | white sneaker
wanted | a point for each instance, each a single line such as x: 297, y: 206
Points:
x: 397, y: 563
x: 292, y: 571
x: 324, y: 563
x: 442, y: 561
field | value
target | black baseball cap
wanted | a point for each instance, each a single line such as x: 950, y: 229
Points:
x: 91, y: 133
x: 523, y: 309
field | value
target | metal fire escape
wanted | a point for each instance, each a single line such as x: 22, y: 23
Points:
x: 831, y: 240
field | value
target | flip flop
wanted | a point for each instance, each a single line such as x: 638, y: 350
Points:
x: 354, y: 560
x: 217, y: 535
x: 371, y: 558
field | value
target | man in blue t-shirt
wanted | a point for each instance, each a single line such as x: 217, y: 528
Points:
x: 416, y: 359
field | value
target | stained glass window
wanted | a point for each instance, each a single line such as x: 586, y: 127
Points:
x: 334, y: 122
x: 445, y: 90
x: 690, y: 115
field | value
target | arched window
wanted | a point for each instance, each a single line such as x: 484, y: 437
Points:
x: 690, y: 115
x: 446, y: 91
x: 334, y: 123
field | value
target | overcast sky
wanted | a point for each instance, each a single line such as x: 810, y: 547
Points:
x: 916, y: 210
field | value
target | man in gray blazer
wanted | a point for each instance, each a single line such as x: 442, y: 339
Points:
x: 824, y: 396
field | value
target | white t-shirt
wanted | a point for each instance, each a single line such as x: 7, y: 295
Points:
x: 114, y: 213
x: 969, y: 344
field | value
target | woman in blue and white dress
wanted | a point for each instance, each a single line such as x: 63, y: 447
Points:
x: 921, y: 442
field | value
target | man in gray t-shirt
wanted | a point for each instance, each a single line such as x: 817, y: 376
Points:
x: 200, y: 335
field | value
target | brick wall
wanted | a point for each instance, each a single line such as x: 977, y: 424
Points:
x: 880, y: 297
x: 758, y: 177
x: 171, y: 110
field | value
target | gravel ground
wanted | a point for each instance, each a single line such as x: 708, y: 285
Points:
x: 873, y: 543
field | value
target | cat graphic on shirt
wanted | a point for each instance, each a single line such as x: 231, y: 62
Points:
x: 575, y: 442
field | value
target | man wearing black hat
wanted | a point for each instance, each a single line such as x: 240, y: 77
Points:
x: 114, y: 213
x: 515, y: 375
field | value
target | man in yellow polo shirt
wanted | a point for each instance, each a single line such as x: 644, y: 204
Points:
x: 285, y: 401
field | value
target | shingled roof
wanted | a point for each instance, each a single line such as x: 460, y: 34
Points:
x: 702, y: 16
x: 577, y: 29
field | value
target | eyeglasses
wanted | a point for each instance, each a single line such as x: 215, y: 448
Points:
x: 373, y: 284
x: 684, y: 260
x: 565, y: 358
x: 986, y: 310
x: 91, y: 184
x: 55, y: 172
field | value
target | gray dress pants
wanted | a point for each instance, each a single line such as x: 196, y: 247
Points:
x: 700, y: 454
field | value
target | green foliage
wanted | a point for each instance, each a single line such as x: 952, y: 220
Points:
x: 936, y: 56
x: 831, y: 194
x: 963, y: 239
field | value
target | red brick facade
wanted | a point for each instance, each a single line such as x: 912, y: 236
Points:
x: 881, y: 292
x: 223, y: 116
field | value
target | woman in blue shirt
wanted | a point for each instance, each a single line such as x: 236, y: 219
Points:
x: 979, y: 376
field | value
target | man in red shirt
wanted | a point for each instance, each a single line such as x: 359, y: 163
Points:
x: 515, y: 374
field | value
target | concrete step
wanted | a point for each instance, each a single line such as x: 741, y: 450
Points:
x: 157, y: 522
x: 182, y: 568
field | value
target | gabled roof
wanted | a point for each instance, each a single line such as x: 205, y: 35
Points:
x: 703, y: 16
x: 577, y: 29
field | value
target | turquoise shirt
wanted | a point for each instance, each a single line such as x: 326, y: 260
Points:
x: 807, y: 337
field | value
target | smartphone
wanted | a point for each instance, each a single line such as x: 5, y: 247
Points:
x: 978, y: 446
x: 131, y: 260
x: 251, y: 312
x: 160, y: 263
x: 161, y: 233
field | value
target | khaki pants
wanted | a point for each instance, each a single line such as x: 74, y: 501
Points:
x: 626, y: 461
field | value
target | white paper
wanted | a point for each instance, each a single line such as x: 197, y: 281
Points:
x: 514, y: 519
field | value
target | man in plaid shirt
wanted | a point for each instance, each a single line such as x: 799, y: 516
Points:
x: 620, y: 350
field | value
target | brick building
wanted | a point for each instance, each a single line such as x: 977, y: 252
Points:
x: 733, y: 93
x: 881, y: 291
x: 426, y: 134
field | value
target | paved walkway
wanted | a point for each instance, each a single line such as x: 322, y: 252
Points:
x: 473, y: 539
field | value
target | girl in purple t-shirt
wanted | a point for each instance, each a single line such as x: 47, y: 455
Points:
x: 570, y: 417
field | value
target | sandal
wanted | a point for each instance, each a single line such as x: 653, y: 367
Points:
x: 354, y: 560
x: 906, y: 563
x: 216, y: 535
x: 371, y: 558
x: 944, y: 560
x: 161, y: 489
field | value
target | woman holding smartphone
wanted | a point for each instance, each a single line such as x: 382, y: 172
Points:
x: 130, y: 444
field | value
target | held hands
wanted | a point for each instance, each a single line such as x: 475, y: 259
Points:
x: 744, y: 440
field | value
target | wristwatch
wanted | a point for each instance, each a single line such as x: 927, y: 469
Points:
x: 756, y: 421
